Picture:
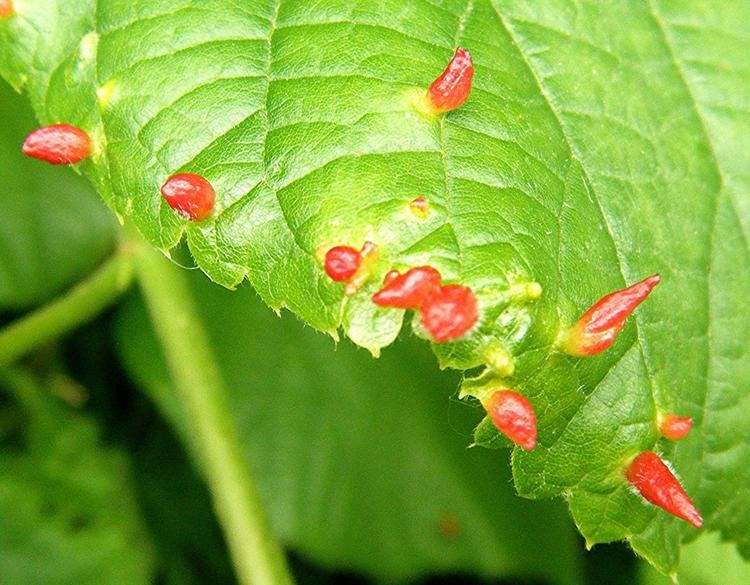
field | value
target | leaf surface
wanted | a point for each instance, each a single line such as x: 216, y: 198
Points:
x: 601, y: 143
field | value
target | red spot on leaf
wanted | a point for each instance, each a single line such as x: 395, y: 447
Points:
x: 58, y: 144
x: 420, y: 207
x: 408, y: 290
x: 6, y: 8
x: 597, y: 329
x: 450, y: 527
x: 513, y: 416
x: 452, y: 88
x: 449, y: 312
x: 657, y: 484
x: 675, y: 427
x: 190, y: 195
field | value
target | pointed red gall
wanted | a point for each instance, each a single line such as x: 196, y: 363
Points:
x: 6, y: 8
x: 449, y: 312
x: 190, y: 195
x: 597, y: 329
x: 58, y: 144
x: 408, y: 290
x: 675, y: 427
x: 513, y: 416
x: 342, y: 262
x: 452, y: 88
x: 658, y: 485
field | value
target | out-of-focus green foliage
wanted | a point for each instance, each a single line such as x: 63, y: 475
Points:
x: 68, y: 514
x: 707, y: 561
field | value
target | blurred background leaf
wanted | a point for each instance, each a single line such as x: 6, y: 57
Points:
x: 355, y: 457
x: 53, y: 226
x: 67, y: 505
x: 705, y: 561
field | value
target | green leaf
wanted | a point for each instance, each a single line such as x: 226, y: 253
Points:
x: 352, y: 455
x: 707, y: 561
x: 68, y: 509
x: 602, y: 142
x: 52, y: 227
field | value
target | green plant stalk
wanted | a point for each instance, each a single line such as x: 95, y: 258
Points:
x: 258, y: 558
x: 82, y: 303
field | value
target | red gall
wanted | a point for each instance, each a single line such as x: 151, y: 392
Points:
x: 58, y: 144
x: 597, y: 329
x: 449, y: 312
x: 408, y: 290
x: 342, y: 262
x: 657, y: 484
x: 675, y: 427
x: 190, y: 195
x: 6, y: 8
x: 420, y: 207
x: 390, y: 277
x: 513, y: 416
x: 452, y: 88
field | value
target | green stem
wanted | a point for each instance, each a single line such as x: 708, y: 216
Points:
x: 82, y: 303
x: 257, y: 556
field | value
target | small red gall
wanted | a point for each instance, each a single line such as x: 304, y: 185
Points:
x: 58, y: 144
x: 452, y: 88
x: 6, y: 8
x: 597, y: 329
x: 449, y: 312
x: 658, y: 485
x: 342, y: 262
x: 408, y: 290
x: 675, y: 427
x: 420, y: 207
x: 189, y: 195
x: 369, y: 250
x: 390, y: 277
x: 513, y: 416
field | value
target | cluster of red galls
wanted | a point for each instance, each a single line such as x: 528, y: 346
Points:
x: 447, y: 311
